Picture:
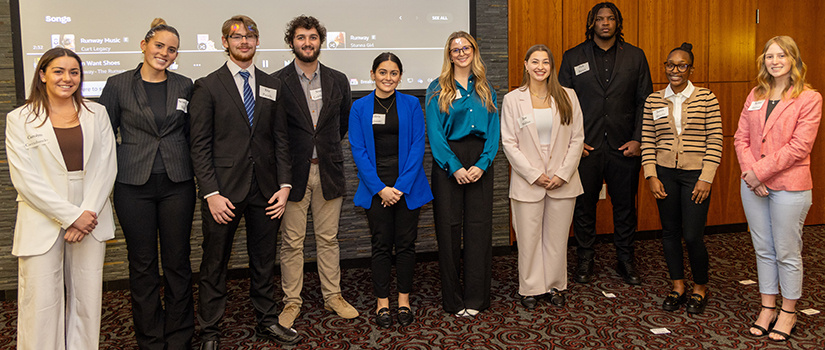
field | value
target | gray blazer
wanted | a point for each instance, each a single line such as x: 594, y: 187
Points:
x: 140, y: 137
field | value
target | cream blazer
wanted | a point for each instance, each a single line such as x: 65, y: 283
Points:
x: 523, y: 149
x: 39, y: 175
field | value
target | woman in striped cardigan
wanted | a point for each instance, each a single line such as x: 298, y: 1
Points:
x: 681, y: 149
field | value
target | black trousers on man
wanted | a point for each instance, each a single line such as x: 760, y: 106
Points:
x: 464, y: 213
x: 261, y: 241
x: 622, y: 177
x: 161, y: 210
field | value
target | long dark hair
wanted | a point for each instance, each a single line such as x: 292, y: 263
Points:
x: 591, y: 20
x: 38, y: 101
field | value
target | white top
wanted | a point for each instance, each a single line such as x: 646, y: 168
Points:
x: 235, y: 69
x: 677, y: 100
x: 544, y: 124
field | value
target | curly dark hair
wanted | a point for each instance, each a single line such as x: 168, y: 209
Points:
x: 306, y: 22
x: 590, y: 31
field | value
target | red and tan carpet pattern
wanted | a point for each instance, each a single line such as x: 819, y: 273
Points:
x: 590, y: 320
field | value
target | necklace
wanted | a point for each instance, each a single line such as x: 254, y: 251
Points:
x: 386, y: 109
x: 537, y: 96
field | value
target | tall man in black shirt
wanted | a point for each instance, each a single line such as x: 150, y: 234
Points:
x: 612, y: 81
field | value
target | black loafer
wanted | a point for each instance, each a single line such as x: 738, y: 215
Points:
x: 383, y: 318
x: 627, y: 270
x: 697, y: 303
x: 211, y: 344
x: 674, y: 300
x: 529, y: 302
x: 405, y: 316
x: 278, y: 334
x: 557, y: 298
x: 584, y: 271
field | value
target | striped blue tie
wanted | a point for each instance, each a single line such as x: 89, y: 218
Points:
x: 248, y: 96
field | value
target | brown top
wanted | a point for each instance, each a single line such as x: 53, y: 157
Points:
x: 71, y: 145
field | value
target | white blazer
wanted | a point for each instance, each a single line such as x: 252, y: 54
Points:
x: 39, y: 175
x: 521, y: 144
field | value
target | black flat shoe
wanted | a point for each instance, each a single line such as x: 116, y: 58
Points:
x: 627, y: 270
x: 405, y: 316
x: 278, y: 334
x: 529, y: 302
x: 785, y: 336
x: 557, y: 298
x: 674, y: 300
x: 762, y: 331
x: 697, y: 303
x: 383, y: 318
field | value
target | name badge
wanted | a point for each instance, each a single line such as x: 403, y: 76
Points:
x: 457, y: 94
x: 35, y: 140
x: 756, y: 105
x: 315, y: 95
x: 525, y: 120
x: 379, y: 119
x: 660, y: 113
x: 584, y: 67
x: 183, y: 105
x: 268, y: 93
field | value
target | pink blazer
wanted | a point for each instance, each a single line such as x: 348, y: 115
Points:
x: 520, y: 141
x: 779, y: 150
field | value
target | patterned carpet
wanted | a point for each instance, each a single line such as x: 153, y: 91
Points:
x: 589, y: 321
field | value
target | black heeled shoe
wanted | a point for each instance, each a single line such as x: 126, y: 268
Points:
x: 762, y: 330
x: 405, y: 316
x: 673, y: 301
x: 383, y: 318
x: 785, y: 336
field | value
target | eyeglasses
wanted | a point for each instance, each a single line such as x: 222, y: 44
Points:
x: 679, y: 67
x: 248, y: 37
x: 464, y: 50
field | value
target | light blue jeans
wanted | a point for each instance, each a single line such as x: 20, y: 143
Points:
x: 776, y: 230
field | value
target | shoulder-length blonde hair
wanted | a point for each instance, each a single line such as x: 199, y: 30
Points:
x: 38, y: 101
x: 554, y: 89
x: 446, y: 80
x: 765, y: 81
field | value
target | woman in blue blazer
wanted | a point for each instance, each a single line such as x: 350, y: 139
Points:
x: 386, y: 135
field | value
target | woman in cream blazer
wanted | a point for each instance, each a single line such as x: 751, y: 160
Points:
x: 542, y: 135
x: 62, y: 162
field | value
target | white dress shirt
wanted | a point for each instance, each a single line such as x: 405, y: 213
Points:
x: 678, y: 99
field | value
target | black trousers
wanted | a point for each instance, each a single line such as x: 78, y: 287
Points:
x: 622, y: 177
x: 396, y: 226
x: 261, y: 241
x: 463, y: 214
x: 683, y: 218
x: 159, y: 210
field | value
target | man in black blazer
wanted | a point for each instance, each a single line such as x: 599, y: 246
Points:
x: 317, y: 102
x: 242, y: 165
x: 612, y: 81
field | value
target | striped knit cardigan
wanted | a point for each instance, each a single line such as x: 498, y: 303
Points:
x: 698, y: 147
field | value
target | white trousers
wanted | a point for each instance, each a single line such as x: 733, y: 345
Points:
x: 46, y: 317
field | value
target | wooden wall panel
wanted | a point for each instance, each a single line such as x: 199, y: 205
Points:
x: 732, y: 40
x: 532, y: 22
x: 668, y: 25
x: 725, y: 202
x: 731, y: 98
x: 575, y: 20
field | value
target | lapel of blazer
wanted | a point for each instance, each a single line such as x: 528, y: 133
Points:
x: 775, y: 114
x: 554, y: 133
x: 292, y: 83
x: 259, y: 77
x: 172, y: 87
x: 143, y: 101
x: 326, y: 89
x: 526, y: 108
x: 87, y: 125
x: 591, y: 62
x: 620, y: 55
x: 366, y: 125
x: 228, y: 82
x: 47, y: 129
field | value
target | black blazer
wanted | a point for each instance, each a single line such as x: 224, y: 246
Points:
x: 615, y: 109
x: 140, y: 138
x: 333, y: 122
x: 225, y: 149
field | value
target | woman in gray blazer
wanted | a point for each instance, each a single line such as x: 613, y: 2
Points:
x: 154, y: 193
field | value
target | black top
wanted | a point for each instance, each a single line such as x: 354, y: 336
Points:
x: 771, y: 105
x: 385, y: 136
x: 605, y: 60
x: 156, y: 95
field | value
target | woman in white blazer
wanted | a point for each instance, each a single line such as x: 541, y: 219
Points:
x: 542, y: 135
x: 60, y: 150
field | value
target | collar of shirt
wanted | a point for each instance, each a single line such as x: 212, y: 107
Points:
x: 597, y: 49
x: 234, y: 69
x: 684, y: 94
x: 471, y: 80
x: 302, y: 75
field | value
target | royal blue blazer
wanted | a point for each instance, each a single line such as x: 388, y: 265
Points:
x: 411, y: 177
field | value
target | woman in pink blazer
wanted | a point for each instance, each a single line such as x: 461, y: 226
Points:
x: 777, y: 129
x: 542, y: 135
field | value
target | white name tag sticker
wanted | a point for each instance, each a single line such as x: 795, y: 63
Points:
x: 315, y: 95
x: 660, y: 113
x: 756, y: 105
x: 584, y: 67
x: 183, y: 105
x: 268, y: 93
x: 35, y: 140
x: 379, y: 119
x: 609, y: 295
x: 809, y: 312
x: 747, y: 282
x: 525, y: 120
x: 659, y: 331
x: 457, y: 94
